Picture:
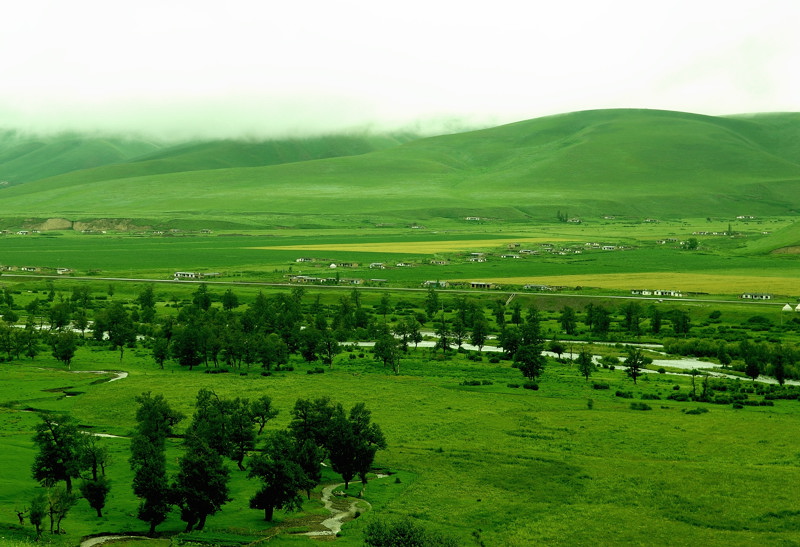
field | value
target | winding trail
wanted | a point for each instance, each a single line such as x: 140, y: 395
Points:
x: 340, y: 511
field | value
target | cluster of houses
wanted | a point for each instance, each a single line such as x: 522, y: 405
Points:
x: 36, y: 269
x: 177, y: 276
x: 657, y: 292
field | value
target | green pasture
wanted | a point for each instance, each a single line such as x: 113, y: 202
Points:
x: 628, y: 163
x: 521, y: 466
x: 265, y: 257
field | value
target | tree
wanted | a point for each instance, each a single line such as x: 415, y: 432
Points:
x: 557, y: 347
x: 37, y: 512
x: 201, y: 298
x: 229, y: 300
x: 384, y: 306
x: 262, y: 412
x: 353, y: 442
x: 95, y: 491
x: 530, y: 361
x: 636, y: 361
x: 510, y: 339
x: 120, y: 327
x: 387, y: 349
x: 459, y: 331
x: 281, y: 475
x: 681, y: 323
x: 691, y: 244
x: 431, y: 303
x: 443, y: 332
x: 585, y: 364
x: 64, y: 345
x: 160, y: 350
x: 242, y: 433
x: 61, y: 446
x: 480, y: 332
x: 568, y: 320
x: 60, y: 501
x: 201, y: 484
x: 311, y: 344
x: 155, y: 420
x: 632, y: 313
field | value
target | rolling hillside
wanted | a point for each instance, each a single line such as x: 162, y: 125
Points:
x: 623, y: 162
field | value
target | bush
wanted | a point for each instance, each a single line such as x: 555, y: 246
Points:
x: 494, y: 360
x: 640, y: 406
x: 737, y: 406
x: 486, y: 382
x: 595, y: 385
x: 316, y: 370
x: 676, y: 387
x: 266, y: 373
x: 531, y: 385
x: 650, y: 397
x: 697, y: 410
x: 682, y: 397
x: 470, y: 383
x: 512, y: 385
x: 662, y: 370
x: 624, y: 394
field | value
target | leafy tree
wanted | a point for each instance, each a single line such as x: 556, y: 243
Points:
x: 185, y: 347
x: 530, y: 361
x: 155, y: 420
x: 64, y: 346
x: 516, y: 313
x: 201, y: 485
x: 655, y: 320
x: 387, y: 349
x: 459, y: 331
x: 510, y: 339
x: 691, y: 244
x: 201, y: 298
x: 681, y: 323
x: 330, y: 346
x: 568, y: 320
x: 281, y: 475
x: 443, y: 333
x: 261, y: 411
x: 272, y: 351
x: 480, y: 332
x: 229, y: 300
x: 61, y: 446
x: 59, y: 316
x: 384, y: 306
x: 120, y: 327
x: 431, y: 302
x: 352, y: 442
x: 95, y: 491
x: 632, y: 313
x: 242, y: 432
x: 37, y: 512
x: 60, y: 501
x: 636, y: 361
x: 585, y: 364
x: 160, y: 350
x: 311, y: 419
x: 80, y: 320
x: 311, y: 344
x: 557, y: 347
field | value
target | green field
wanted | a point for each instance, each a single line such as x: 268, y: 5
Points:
x: 583, y: 208
x: 520, y: 466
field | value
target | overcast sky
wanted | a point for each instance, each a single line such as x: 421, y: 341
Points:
x: 277, y: 67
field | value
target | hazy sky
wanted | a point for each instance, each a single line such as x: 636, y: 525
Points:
x: 276, y: 67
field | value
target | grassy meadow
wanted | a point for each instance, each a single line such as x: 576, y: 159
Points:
x: 567, y: 464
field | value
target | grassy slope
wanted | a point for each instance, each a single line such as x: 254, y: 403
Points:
x: 625, y: 162
x: 25, y: 159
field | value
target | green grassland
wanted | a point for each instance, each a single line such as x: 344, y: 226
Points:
x: 521, y: 466
x: 613, y: 162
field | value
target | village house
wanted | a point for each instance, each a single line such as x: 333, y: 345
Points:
x: 378, y: 266
x: 756, y: 296
x: 481, y: 285
x: 440, y: 284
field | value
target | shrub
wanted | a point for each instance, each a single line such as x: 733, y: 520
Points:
x: 494, y: 360
x: 682, y: 397
x: 624, y: 394
x: 737, y: 405
x: 650, y: 397
x: 640, y: 406
x: 486, y: 382
x: 676, y: 387
x: 512, y: 385
x: 697, y: 410
x: 470, y: 383
x: 662, y: 370
x: 531, y: 385
x: 266, y: 373
x: 590, y: 404
x: 596, y: 385
x: 316, y: 370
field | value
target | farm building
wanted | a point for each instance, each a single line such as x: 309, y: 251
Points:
x: 482, y: 285
x: 440, y: 284
x: 756, y: 296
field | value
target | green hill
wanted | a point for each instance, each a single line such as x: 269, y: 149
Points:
x: 623, y: 162
x: 24, y: 158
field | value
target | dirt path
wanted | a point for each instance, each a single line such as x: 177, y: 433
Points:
x: 341, y: 508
